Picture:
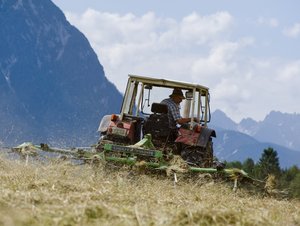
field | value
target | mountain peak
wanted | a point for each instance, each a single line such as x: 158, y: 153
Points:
x: 249, y: 138
x: 220, y: 119
x: 277, y: 127
x: 248, y: 126
x: 278, y: 117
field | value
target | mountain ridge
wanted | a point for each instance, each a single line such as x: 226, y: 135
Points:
x: 53, y: 87
x: 248, y: 138
x: 277, y: 127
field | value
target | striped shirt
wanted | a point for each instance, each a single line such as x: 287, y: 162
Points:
x: 173, y: 112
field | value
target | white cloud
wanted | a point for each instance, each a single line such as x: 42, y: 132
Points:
x: 199, y: 29
x: 148, y: 44
x: 292, y: 32
x: 196, y: 49
x: 222, y: 61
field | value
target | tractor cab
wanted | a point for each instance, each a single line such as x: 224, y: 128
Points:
x: 142, y: 113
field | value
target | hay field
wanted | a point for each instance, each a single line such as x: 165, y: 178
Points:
x: 61, y: 193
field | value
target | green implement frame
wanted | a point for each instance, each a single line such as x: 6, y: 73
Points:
x: 127, y: 155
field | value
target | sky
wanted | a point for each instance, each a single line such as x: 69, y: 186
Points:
x: 246, y: 52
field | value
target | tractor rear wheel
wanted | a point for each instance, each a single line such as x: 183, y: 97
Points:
x: 199, y: 156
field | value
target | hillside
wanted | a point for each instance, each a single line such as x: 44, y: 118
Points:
x: 65, y: 194
x: 52, y: 85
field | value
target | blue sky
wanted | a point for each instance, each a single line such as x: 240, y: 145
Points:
x: 246, y: 52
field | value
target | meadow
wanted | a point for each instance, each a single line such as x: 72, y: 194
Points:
x: 60, y: 192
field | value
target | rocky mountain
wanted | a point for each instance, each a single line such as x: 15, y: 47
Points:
x: 52, y: 85
x: 279, y: 128
x: 235, y: 146
x: 221, y: 120
x: 248, y: 138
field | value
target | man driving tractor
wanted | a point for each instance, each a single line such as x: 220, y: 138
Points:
x: 173, y: 103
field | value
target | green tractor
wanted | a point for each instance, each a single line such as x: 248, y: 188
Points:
x: 141, y: 131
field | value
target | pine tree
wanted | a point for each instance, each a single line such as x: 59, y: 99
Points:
x: 295, y: 186
x: 248, y: 166
x: 234, y: 164
x: 268, y: 164
x: 288, y: 175
x: 290, y: 179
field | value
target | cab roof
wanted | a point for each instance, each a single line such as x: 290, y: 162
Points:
x: 166, y: 83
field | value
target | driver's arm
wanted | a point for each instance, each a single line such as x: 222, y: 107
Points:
x: 185, y: 120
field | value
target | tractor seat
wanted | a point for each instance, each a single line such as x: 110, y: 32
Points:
x: 158, y: 123
x: 159, y: 108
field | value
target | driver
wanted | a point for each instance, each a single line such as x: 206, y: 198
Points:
x: 173, y: 103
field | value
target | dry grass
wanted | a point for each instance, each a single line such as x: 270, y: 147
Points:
x: 60, y: 193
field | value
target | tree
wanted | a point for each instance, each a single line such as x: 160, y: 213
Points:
x: 248, y: 166
x: 288, y: 175
x: 234, y: 164
x: 268, y: 164
x: 295, y: 186
x: 290, y: 179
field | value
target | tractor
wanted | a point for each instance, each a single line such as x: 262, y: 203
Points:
x: 141, y: 131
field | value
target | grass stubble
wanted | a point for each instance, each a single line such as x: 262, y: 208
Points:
x: 62, y: 193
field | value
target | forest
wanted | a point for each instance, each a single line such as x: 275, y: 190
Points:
x: 286, y: 179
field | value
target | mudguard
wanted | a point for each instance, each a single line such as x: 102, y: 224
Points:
x: 104, y: 124
x: 205, y: 134
x: 194, y: 138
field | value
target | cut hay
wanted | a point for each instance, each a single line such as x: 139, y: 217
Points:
x: 61, y: 193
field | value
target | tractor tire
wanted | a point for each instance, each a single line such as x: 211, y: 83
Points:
x: 198, y: 156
